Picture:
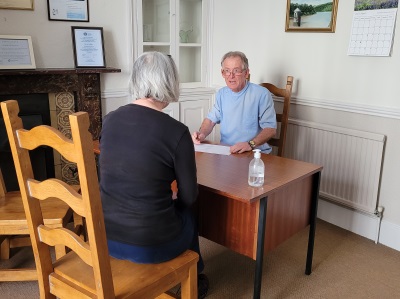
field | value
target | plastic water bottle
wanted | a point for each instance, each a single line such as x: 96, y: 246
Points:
x: 256, y: 170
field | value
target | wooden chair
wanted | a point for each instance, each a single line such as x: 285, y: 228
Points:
x: 14, y: 229
x: 282, y: 118
x: 87, y: 271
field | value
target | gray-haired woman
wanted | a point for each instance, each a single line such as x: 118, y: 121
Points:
x: 143, y: 150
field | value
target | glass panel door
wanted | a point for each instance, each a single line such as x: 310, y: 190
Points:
x: 190, y: 21
x: 190, y: 40
x: 156, y: 21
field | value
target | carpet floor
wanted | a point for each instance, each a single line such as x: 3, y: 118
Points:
x: 345, y: 265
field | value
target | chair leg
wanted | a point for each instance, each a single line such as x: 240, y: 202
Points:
x: 20, y: 241
x: 60, y: 250
x: 5, y: 248
x: 23, y: 274
x: 80, y: 226
x: 168, y: 295
x: 9, y: 242
x: 18, y: 275
x: 189, y: 285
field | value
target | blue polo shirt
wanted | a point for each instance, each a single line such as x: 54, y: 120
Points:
x: 242, y: 115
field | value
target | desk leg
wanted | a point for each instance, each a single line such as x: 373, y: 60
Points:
x: 313, y: 218
x: 260, y: 246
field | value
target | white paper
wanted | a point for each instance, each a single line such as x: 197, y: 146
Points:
x: 14, y: 52
x: 372, y: 32
x: 212, y: 149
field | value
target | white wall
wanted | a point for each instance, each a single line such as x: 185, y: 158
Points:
x: 330, y: 87
x: 318, y: 61
x: 52, y: 42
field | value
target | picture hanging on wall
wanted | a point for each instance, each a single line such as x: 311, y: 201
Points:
x: 16, y: 52
x: 16, y: 4
x: 311, y: 15
x: 88, y: 47
x: 70, y: 10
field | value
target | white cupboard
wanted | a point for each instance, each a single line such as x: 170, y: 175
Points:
x: 180, y: 28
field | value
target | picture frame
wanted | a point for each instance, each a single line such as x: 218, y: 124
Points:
x: 311, y: 16
x: 68, y: 10
x: 16, y: 4
x: 16, y: 52
x: 88, y: 47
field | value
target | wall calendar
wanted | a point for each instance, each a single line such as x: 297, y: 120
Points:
x: 372, y: 32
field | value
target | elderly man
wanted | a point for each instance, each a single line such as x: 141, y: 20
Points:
x: 245, y: 111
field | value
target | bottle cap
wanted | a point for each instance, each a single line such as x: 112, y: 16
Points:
x: 257, y: 153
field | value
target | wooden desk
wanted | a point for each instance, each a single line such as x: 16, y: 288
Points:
x: 96, y: 147
x: 235, y: 215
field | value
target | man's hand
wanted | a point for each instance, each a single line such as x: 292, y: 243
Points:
x: 198, y: 137
x: 240, y: 147
x: 204, y: 130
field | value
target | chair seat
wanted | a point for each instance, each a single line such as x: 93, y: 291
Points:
x: 149, y: 278
x: 13, y: 219
x: 12, y: 215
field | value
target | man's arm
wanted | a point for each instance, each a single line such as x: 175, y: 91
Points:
x: 262, y: 137
x: 265, y: 135
x: 205, y: 129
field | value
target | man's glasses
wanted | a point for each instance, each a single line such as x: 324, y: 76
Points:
x: 235, y: 72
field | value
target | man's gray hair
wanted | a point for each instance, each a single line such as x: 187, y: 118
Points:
x: 241, y: 55
x: 154, y: 75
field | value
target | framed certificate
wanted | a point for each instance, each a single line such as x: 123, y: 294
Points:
x: 16, y: 52
x: 88, y: 47
x: 68, y: 10
x: 16, y: 4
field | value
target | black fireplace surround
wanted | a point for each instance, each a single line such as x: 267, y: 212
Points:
x: 31, y: 88
x: 34, y: 111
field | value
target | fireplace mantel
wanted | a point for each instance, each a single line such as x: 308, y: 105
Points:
x: 83, y: 83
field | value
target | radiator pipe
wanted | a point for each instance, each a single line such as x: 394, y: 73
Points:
x: 379, y: 213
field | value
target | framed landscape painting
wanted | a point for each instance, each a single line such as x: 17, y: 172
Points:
x: 311, y: 15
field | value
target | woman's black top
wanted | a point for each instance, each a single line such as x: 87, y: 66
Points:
x: 142, y: 151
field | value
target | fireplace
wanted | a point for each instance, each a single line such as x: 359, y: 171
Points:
x: 59, y: 92
x: 34, y: 111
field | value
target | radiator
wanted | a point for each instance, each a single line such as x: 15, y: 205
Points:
x: 352, y: 161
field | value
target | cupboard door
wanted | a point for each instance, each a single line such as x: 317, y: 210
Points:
x: 190, y: 46
x: 172, y: 110
x: 192, y: 113
x: 178, y: 28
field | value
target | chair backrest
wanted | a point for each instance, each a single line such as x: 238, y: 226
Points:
x: 79, y: 149
x: 282, y: 118
x: 3, y: 189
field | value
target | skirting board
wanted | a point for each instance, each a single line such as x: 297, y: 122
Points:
x: 361, y: 224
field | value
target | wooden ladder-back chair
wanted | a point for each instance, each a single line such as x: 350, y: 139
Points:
x: 14, y: 229
x: 282, y: 118
x: 87, y: 271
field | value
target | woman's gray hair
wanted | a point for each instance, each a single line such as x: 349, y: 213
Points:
x: 155, y: 76
x: 241, y: 55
